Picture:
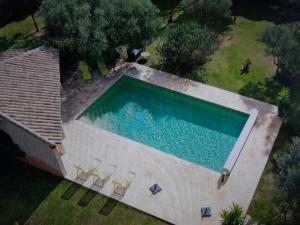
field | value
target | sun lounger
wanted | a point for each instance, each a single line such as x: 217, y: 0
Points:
x: 120, y: 187
x: 206, y: 212
x: 101, y: 178
x: 102, y: 68
x: 155, y: 189
x: 83, y: 174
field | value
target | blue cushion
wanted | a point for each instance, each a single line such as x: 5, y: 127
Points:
x: 155, y: 189
x: 206, y: 212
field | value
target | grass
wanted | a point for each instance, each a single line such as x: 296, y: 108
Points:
x: 19, y: 33
x: 240, y: 43
x: 22, y: 27
x: 30, y: 196
x: 84, y: 69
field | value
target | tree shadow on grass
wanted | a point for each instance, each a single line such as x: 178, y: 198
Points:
x: 23, y: 189
x: 108, y: 207
x: 87, y: 198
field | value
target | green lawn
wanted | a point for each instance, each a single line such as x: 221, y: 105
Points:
x: 240, y: 43
x: 22, y: 27
x: 19, y: 33
x: 30, y: 196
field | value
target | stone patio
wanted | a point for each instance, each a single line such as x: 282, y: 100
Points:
x: 186, y: 187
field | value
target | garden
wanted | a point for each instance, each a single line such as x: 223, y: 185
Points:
x: 248, y: 47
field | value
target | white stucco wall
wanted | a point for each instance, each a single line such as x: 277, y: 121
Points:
x: 33, y: 146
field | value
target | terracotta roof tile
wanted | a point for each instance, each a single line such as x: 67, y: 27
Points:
x: 30, y: 91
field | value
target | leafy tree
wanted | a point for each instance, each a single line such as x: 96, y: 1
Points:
x: 283, y: 46
x: 95, y: 25
x: 130, y: 22
x: 78, y: 21
x: 167, y: 5
x: 214, y: 8
x: 289, y: 166
x: 186, y: 46
x: 233, y: 215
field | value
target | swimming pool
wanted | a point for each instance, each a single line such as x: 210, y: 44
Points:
x: 189, y: 128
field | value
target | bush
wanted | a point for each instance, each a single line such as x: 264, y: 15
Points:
x: 187, y: 46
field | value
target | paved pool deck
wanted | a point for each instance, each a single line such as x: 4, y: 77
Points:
x: 186, y: 187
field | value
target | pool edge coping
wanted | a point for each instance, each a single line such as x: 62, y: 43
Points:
x: 239, y: 144
x: 237, y: 147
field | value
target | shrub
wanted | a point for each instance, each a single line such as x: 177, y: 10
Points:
x: 187, y: 46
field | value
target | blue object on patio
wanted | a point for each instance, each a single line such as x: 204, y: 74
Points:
x: 206, y: 212
x: 155, y: 189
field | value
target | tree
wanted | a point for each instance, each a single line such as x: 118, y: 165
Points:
x: 167, y: 5
x: 289, y: 167
x: 79, y: 22
x: 233, y: 215
x: 31, y: 6
x: 283, y: 46
x: 187, y: 46
x: 130, y: 22
x: 213, y: 8
x: 95, y: 25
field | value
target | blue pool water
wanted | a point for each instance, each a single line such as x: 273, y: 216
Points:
x: 174, y: 123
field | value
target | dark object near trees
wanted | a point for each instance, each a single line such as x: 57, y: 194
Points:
x: 133, y: 54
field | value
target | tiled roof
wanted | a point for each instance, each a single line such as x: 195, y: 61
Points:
x: 30, y: 91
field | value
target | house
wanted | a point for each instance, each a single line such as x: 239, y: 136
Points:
x: 30, y: 105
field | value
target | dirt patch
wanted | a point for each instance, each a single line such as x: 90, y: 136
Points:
x: 226, y: 40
